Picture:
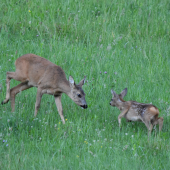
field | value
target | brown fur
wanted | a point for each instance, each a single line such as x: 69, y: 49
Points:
x: 134, y: 111
x: 153, y: 109
x: 35, y: 71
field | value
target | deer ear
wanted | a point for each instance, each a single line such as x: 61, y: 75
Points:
x: 71, y: 81
x: 82, y: 82
x: 123, y: 93
x: 113, y: 93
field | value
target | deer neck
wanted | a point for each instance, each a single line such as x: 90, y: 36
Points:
x: 121, y: 105
x: 66, y: 89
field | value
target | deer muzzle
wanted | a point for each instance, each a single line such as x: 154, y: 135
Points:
x: 83, y: 106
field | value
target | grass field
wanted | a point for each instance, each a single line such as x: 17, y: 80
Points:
x: 116, y: 44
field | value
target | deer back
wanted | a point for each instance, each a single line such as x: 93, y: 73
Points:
x: 39, y: 71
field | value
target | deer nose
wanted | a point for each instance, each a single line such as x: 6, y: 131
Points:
x: 84, y: 106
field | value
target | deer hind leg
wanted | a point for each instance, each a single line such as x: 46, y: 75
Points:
x: 15, y: 90
x: 59, y: 107
x: 9, y: 76
x: 160, y: 122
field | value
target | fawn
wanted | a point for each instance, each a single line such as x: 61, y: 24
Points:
x: 134, y: 111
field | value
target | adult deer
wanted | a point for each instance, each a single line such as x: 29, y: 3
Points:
x: 134, y: 111
x: 35, y: 71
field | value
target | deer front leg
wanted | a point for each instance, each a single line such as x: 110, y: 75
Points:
x: 59, y: 107
x: 38, y: 101
x: 121, y: 115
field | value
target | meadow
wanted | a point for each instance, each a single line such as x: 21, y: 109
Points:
x: 116, y: 44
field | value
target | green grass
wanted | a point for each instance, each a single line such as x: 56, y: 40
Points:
x: 127, y: 39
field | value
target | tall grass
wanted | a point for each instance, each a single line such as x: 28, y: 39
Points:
x: 116, y: 44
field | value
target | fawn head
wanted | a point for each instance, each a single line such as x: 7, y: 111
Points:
x: 77, y: 94
x: 117, y: 98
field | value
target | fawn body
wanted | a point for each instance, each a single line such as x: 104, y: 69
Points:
x: 134, y: 111
x: 35, y: 71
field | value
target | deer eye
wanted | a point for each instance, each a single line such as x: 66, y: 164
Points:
x: 79, y: 95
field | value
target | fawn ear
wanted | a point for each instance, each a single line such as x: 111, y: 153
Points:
x: 82, y: 82
x: 123, y: 93
x: 114, y: 93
